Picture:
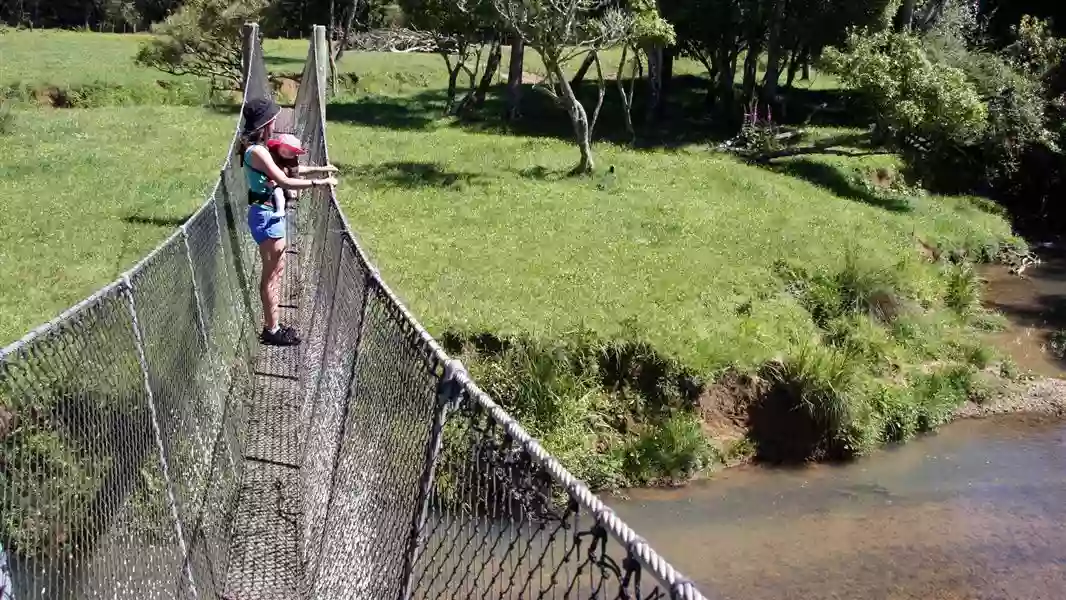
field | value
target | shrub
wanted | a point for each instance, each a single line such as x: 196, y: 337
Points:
x: 963, y: 293
x: 860, y: 286
x: 202, y: 38
x: 916, y: 98
x: 966, y: 119
x: 939, y: 393
x: 1057, y: 344
x: 898, y: 412
x: 808, y: 411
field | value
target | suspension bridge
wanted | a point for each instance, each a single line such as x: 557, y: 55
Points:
x: 151, y: 448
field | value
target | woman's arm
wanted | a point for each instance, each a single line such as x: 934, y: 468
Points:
x: 303, y: 169
x: 262, y: 160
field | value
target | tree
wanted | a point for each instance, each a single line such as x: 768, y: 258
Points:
x: 637, y: 70
x: 559, y: 31
x: 652, y: 34
x: 455, y: 30
x: 202, y: 38
x: 790, y: 34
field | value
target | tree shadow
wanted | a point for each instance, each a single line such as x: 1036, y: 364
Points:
x: 157, y: 221
x: 409, y: 114
x: 686, y: 117
x: 410, y: 175
x: 833, y: 180
x: 541, y: 173
x: 277, y: 61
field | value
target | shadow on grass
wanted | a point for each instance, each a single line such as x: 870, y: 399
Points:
x: 410, y: 175
x: 686, y: 117
x: 832, y: 179
x: 277, y: 61
x: 156, y: 221
x: 542, y: 173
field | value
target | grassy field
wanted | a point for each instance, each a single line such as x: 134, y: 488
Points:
x: 810, y: 272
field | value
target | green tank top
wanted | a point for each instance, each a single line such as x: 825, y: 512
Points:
x: 258, y: 181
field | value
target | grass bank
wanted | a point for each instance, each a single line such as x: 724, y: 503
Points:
x: 629, y: 319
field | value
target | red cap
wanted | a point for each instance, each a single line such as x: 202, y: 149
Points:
x: 289, y: 142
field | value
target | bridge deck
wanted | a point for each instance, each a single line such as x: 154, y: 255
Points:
x: 264, y: 561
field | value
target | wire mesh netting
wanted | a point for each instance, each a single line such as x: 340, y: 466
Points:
x: 151, y: 448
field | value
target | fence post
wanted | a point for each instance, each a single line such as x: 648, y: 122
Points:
x: 449, y: 393
x: 142, y: 358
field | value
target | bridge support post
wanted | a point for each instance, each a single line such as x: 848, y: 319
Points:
x: 449, y: 393
x: 248, y: 34
x: 322, y: 60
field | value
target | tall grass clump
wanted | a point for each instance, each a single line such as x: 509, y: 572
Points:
x: 963, y: 290
x: 865, y: 379
x: 808, y: 410
x: 611, y: 412
x: 671, y: 452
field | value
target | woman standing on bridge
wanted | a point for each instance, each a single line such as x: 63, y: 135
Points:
x: 267, y: 230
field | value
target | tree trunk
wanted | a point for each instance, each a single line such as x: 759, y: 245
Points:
x: 806, y: 68
x: 773, y: 53
x: 453, y: 83
x: 906, y: 15
x: 578, y: 118
x: 751, y: 71
x: 346, y: 33
x: 655, y: 83
x: 726, y: 75
x: 668, y: 74
x: 793, y: 68
x: 491, y: 67
x: 514, y: 79
x: 583, y: 70
x: 627, y: 96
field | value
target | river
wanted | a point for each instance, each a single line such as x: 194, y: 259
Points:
x: 976, y: 511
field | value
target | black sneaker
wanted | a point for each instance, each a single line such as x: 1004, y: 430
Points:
x: 284, y: 336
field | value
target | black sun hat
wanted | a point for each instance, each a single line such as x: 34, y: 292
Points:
x: 258, y: 112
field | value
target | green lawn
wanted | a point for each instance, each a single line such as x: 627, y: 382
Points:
x: 88, y: 192
x: 674, y: 244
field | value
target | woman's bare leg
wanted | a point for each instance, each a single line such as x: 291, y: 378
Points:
x: 272, y: 251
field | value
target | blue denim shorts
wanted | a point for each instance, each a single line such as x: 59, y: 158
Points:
x: 263, y: 224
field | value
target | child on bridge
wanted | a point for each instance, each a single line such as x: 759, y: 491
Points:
x: 286, y: 150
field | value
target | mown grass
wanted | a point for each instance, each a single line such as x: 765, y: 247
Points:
x: 88, y: 192
x: 805, y: 271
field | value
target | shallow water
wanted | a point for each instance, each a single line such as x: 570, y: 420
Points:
x: 976, y: 511
x: 1035, y: 305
